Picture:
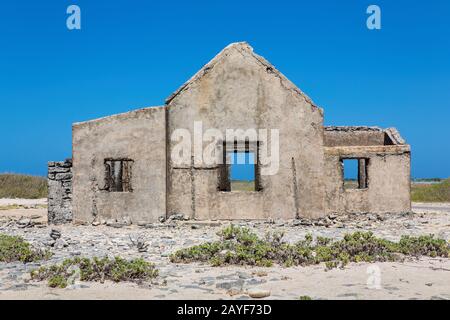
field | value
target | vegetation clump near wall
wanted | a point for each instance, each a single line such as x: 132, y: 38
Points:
x: 240, y: 246
x: 13, y: 249
x: 22, y: 186
x: 96, y: 270
x: 438, y: 192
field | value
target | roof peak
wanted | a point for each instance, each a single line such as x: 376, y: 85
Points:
x: 241, y: 46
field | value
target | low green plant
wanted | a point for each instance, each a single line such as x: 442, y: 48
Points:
x: 305, y: 298
x: 423, y: 246
x: 240, y: 246
x: 95, y: 270
x: 14, y: 248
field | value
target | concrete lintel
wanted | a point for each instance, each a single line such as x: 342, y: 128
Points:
x: 358, y: 151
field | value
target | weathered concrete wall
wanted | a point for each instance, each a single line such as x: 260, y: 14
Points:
x: 240, y: 90
x: 354, y: 136
x: 60, y: 192
x: 140, y: 136
x: 388, y: 180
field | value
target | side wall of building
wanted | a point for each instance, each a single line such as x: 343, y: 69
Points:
x: 139, y: 136
x: 388, y: 177
x: 241, y: 91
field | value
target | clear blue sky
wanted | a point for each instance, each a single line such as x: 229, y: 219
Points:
x: 242, y: 166
x: 132, y: 54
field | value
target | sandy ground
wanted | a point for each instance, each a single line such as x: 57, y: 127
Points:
x: 426, y: 278
x: 35, y: 209
x: 23, y: 202
x: 423, y: 279
x: 431, y: 207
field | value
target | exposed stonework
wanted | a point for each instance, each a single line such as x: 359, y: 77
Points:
x: 60, y: 192
x: 123, y: 166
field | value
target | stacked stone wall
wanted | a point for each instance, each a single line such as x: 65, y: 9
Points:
x: 60, y: 192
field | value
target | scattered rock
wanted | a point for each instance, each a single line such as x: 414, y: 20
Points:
x: 176, y: 217
x: 233, y: 292
x: 258, y: 293
x: 408, y: 225
x: 243, y: 275
x: 305, y: 222
x: 254, y: 282
x: 110, y: 222
x: 141, y: 223
x: 60, y: 243
x: 260, y: 273
x: 126, y: 221
x: 114, y: 224
x: 203, y: 223
x: 319, y: 223
x: 25, y: 223
x: 55, y: 234
x: 140, y: 244
x: 50, y: 243
x: 233, y: 284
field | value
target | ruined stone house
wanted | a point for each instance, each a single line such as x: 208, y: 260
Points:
x: 122, y: 164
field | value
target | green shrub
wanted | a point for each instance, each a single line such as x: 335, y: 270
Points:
x: 423, y: 246
x: 96, y: 270
x: 240, y: 246
x: 14, y: 248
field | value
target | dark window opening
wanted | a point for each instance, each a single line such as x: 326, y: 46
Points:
x: 355, y: 173
x: 118, y: 175
x: 240, y: 170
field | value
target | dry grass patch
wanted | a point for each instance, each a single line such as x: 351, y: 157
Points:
x: 22, y: 186
x: 439, y: 192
